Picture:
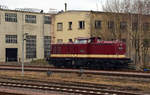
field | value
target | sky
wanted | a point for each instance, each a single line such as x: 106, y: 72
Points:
x: 54, y: 4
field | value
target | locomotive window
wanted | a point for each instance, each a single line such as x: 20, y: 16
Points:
x: 89, y: 41
x: 99, y: 39
x: 81, y: 41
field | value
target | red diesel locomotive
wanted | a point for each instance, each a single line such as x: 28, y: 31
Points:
x: 89, y: 53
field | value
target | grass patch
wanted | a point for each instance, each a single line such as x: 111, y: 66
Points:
x: 41, y: 62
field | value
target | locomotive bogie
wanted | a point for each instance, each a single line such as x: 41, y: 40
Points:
x: 91, y: 63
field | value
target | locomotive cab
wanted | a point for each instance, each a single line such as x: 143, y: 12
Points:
x: 94, y: 40
x: 81, y: 41
x: 87, y: 40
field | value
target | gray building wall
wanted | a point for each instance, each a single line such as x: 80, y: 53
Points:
x: 38, y: 29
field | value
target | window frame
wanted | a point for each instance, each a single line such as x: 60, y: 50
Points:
x: 81, y: 24
x: 59, y: 26
x: 70, y: 25
x: 31, y: 46
x: 123, y: 25
x: 47, y: 46
x: 134, y: 26
x: 10, y: 17
x: 30, y: 19
x: 47, y: 20
x: 146, y: 26
x: 98, y: 24
x: 11, y: 39
x: 111, y: 24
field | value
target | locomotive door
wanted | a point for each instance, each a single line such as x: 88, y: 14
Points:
x: 76, y: 53
x: 72, y: 53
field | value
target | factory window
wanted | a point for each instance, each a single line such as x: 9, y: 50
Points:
x: 59, y: 41
x: 81, y: 24
x: 146, y: 26
x: 98, y: 24
x: 123, y: 40
x: 47, y: 42
x: 59, y: 26
x: 47, y: 20
x: 146, y: 42
x: 70, y: 25
x: 30, y: 19
x: 135, y: 26
x: 110, y: 24
x: 123, y: 25
x: 11, y: 38
x: 10, y: 17
x: 30, y: 46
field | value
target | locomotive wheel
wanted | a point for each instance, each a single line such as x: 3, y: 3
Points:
x: 67, y: 64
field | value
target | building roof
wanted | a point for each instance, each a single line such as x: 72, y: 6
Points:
x: 91, y: 11
x: 25, y: 11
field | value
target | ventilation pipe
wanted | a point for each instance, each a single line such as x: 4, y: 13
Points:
x: 65, y: 7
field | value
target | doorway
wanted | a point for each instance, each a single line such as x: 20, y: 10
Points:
x: 11, y: 55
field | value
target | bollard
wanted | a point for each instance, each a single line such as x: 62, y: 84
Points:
x: 81, y: 72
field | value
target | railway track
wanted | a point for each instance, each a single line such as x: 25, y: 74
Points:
x: 94, y: 72
x: 82, y: 89
x: 7, y: 93
x: 51, y: 67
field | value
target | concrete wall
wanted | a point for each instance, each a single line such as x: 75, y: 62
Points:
x: 73, y: 17
x: 39, y: 29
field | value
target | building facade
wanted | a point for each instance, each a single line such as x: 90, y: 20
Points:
x: 39, y: 30
x: 109, y: 26
x: 34, y: 29
x: 71, y: 25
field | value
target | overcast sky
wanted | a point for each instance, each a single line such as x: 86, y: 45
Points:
x: 55, y: 4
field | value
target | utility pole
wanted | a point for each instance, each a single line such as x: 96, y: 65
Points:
x: 23, y: 39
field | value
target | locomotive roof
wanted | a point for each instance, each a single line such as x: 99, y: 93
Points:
x: 99, y: 42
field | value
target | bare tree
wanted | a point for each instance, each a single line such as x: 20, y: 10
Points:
x: 135, y: 11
